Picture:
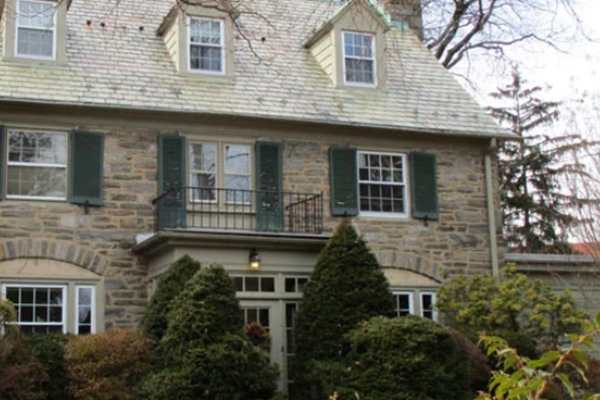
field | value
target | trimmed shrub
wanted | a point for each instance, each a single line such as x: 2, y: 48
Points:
x: 205, y: 353
x: 107, y: 366
x: 478, y: 370
x: 49, y: 351
x: 346, y: 287
x: 169, y: 286
x: 409, y: 358
x: 20, y: 373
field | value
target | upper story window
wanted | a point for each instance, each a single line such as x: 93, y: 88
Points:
x: 213, y: 163
x: 37, y: 165
x: 206, y: 53
x: 36, y: 29
x: 382, y: 183
x: 359, y: 59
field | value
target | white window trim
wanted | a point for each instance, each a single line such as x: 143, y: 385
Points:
x: 50, y: 286
x: 8, y: 164
x: 190, y: 44
x: 406, y: 213
x: 433, y: 300
x: 373, y: 51
x: 92, y: 305
x: 411, y: 301
x: 220, y: 171
x: 54, y: 39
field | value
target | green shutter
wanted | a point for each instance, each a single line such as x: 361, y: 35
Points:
x: 344, y: 197
x: 424, y: 186
x: 269, y: 177
x: 171, y: 174
x: 2, y: 160
x: 86, y: 168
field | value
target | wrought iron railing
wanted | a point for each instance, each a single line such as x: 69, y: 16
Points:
x: 239, y: 210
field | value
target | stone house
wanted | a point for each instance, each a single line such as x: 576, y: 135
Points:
x: 131, y: 135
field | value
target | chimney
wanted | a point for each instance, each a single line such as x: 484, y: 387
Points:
x: 408, y: 11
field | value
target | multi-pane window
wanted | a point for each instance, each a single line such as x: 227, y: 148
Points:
x: 427, y: 305
x: 382, y: 182
x: 37, y: 164
x: 295, y: 285
x: 40, y: 309
x: 359, y: 58
x: 209, y: 166
x: 203, y: 171
x: 206, y: 45
x: 85, y: 309
x: 257, y: 314
x: 36, y: 29
x: 254, y: 284
x: 404, y: 303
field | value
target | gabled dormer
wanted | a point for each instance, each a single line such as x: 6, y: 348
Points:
x: 34, y: 30
x: 350, y: 45
x: 200, y: 38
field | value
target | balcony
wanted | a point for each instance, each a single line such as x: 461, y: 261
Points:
x: 239, y: 211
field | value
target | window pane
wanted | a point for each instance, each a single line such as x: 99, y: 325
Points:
x: 267, y: 284
x: 264, y: 317
x: 301, y: 283
x: 238, y: 283
x: 239, y: 188
x: 206, y: 58
x: 359, y: 71
x: 33, y: 42
x: 251, y: 284
x: 37, y: 181
x: 205, y: 31
x: 203, y: 157
x: 36, y: 15
x: 237, y: 159
x: 37, y: 147
x: 290, y: 285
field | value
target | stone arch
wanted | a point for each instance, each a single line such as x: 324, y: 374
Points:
x: 410, y: 262
x: 34, y: 248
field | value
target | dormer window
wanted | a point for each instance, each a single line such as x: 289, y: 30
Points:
x: 359, y: 59
x: 206, y: 45
x: 36, y: 29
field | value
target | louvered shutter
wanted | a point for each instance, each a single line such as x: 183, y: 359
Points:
x: 86, y: 168
x: 424, y: 186
x: 2, y: 159
x: 269, y: 177
x: 171, y: 175
x: 344, y: 198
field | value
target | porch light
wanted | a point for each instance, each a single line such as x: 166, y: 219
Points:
x: 254, y: 260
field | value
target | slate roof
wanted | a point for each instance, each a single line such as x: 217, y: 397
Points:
x: 121, y: 65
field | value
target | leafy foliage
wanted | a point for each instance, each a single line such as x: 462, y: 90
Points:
x: 397, y: 359
x: 537, y: 213
x: 516, y: 306
x: 49, y: 351
x: 478, y: 370
x: 205, y: 353
x: 20, y: 373
x: 345, y: 288
x: 107, y: 366
x: 169, y: 286
x: 258, y: 335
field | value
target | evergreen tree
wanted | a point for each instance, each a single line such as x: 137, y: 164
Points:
x: 205, y: 353
x: 346, y: 287
x: 537, y: 213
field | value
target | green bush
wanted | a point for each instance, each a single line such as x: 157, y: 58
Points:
x: 107, y: 366
x: 408, y: 358
x: 21, y: 375
x: 205, y: 353
x: 49, y: 351
x: 474, y: 360
x: 169, y: 286
x: 346, y: 287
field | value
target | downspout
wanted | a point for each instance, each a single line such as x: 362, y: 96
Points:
x: 489, y: 188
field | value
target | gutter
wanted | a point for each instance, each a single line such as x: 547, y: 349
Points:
x: 489, y: 189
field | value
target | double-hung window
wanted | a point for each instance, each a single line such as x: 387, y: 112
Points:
x: 206, y: 51
x: 37, y: 164
x: 427, y: 305
x: 382, y: 183
x: 213, y: 163
x: 36, y: 29
x: 359, y: 59
x: 405, y: 303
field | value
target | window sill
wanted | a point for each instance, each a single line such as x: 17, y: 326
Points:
x: 20, y: 60
x: 384, y: 217
x: 32, y: 198
x: 209, y: 77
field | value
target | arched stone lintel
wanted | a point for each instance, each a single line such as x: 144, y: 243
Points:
x: 409, y: 262
x: 54, y: 250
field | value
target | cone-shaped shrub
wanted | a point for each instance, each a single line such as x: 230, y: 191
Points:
x: 169, y: 286
x: 205, y: 353
x: 346, y: 287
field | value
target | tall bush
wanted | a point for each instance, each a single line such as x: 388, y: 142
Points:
x: 107, y: 366
x: 20, y: 373
x: 205, y: 353
x: 346, y: 287
x: 169, y: 286
x: 49, y: 351
x: 406, y: 358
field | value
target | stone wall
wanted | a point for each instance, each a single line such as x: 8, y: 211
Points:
x: 100, y: 239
